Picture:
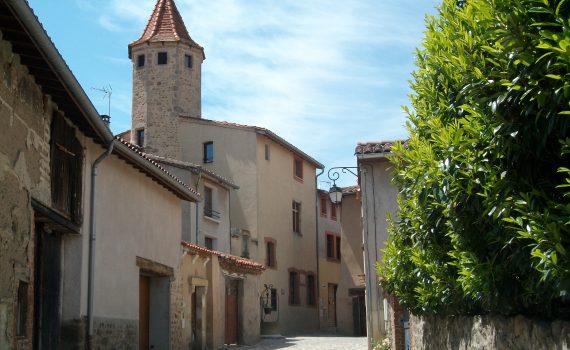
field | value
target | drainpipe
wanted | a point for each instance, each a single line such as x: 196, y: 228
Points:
x: 317, y: 249
x: 91, y: 272
x: 197, y: 185
x: 366, y: 233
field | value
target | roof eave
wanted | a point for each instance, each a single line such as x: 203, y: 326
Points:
x: 55, y: 61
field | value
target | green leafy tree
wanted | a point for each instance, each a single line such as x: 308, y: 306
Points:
x: 484, y: 207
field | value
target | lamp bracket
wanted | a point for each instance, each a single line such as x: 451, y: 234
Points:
x: 334, y: 173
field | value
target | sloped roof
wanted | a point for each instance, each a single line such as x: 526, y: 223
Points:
x: 193, y: 167
x: 165, y: 24
x: 179, y: 188
x: 228, y: 262
x: 260, y: 131
x: 23, y: 30
x: 377, y: 146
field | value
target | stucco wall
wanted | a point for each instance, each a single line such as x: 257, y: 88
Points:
x: 378, y: 202
x: 352, y: 267
x: 278, y: 188
x: 488, y: 332
x: 235, y: 159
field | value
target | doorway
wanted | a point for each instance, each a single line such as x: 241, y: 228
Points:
x: 47, y: 289
x: 232, y: 311
x: 144, y: 311
x: 332, y: 304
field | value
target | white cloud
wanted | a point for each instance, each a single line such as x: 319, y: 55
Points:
x: 311, y: 71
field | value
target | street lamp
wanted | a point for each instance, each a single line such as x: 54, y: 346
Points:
x: 335, y: 192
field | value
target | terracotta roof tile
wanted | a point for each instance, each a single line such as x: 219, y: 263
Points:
x: 351, y: 189
x: 135, y: 149
x: 227, y: 261
x: 377, y: 147
x: 165, y: 24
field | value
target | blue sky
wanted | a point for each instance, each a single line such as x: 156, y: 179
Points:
x: 323, y: 74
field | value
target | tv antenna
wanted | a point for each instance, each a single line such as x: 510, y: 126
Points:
x: 107, y: 92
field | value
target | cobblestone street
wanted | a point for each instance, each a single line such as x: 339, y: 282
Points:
x: 308, y: 342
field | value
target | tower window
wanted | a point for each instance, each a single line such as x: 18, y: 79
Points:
x: 140, y: 60
x: 188, y: 61
x: 208, y: 152
x: 139, y: 136
x: 162, y: 58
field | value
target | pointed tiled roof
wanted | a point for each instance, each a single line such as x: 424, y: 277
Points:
x: 165, y: 24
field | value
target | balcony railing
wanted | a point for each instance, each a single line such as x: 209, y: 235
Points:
x: 211, y: 213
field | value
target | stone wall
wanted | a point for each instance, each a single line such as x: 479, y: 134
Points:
x: 115, y: 334
x: 25, y: 117
x: 487, y: 332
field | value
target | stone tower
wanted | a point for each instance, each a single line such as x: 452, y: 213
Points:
x: 166, y: 80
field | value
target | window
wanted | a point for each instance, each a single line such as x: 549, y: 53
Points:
x: 208, y: 152
x: 209, y: 204
x: 140, y: 60
x: 139, y: 137
x: 333, y: 211
x: 66, y: 169
x: 273, y: 299
x: 294, y: 297
x: 338, y: 248
x: 296, y: 217
x: 22, y: 312
x: 324, y: 204
x: 311, y: 298
x: 270, y: 254
x: 162, y: 58
x: 298, y: 168
x: 333, y: 247
x: 209, y: 243
x: 188, y: 61
x: 266, y: 152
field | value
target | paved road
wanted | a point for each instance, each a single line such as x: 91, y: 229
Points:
x: 310, y: 342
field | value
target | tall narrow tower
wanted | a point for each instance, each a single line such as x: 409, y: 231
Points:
x: 167, y: 67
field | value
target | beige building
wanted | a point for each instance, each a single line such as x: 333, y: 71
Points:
x: 272, y: 215
x: 351, y: 285
x: 379, y: 201
x: 85, y: 256
x: 330, y: 259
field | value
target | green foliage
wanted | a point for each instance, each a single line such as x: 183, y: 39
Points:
x: 484, y: 205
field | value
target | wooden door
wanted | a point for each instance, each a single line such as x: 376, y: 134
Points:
x: 47, y: 290
x: 144, y: 310
x: 231, y: 313
x: 332, y: 304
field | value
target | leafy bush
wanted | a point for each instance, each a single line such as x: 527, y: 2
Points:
x: 484, y: 211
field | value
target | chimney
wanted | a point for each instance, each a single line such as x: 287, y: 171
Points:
x: 107, y: 120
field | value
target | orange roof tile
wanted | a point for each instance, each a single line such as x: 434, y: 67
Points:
x: 227, y: 261
x: 165, y: 24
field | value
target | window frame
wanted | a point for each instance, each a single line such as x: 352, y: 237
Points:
x: 332, y: 247
x: 333, y: 212
x: 208, y: 152
x: 296, y: 217
x: 294, y: 288
x: 162, y: 58
x: 270, y: 253
x: 66, y: 168
x: 298, y: 165
x: 139, y: 141
x: 188, y: 61
x: 311, y: 289
x: 324, y: 206
x: 211, y: 240
x: 141, y: 60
